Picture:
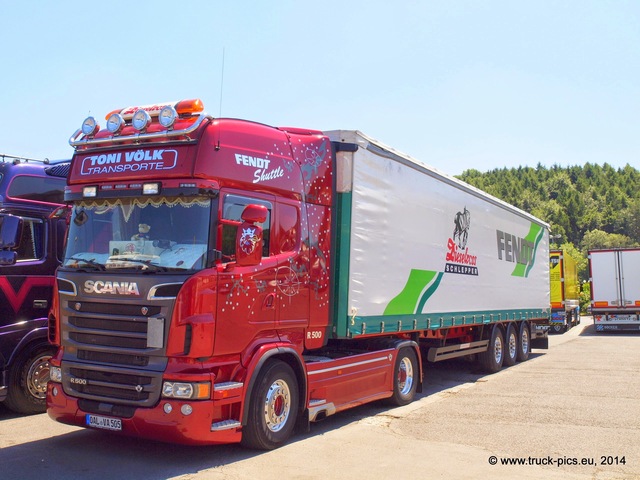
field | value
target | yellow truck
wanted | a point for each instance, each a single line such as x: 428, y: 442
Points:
x: 564, y: 291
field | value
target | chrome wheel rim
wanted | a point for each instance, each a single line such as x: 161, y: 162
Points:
x: 38, y: 377
x: 513, y: 345
x: 405, y: 376
x: 277, y: 406
x: 497, y: 350
x: 525, y: 341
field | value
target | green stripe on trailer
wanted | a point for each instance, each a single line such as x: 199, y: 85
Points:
x: 536, y: 233
x: 419, y: 287
x: 342, y: 241
x: 360, y: 326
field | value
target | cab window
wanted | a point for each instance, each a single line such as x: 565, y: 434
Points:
x: 232, y: 208
x: 31, y: 245
x: 39, y: 189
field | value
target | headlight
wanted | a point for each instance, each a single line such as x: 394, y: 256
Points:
x: 183, y: 390
x: 115, y: 123
x: 167, y: 116
x: 90, y: 126
x: 55, y: 374
x: 141, y: 120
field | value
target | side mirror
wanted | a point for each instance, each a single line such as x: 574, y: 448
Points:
x: 249, y: 239
x: 8, y: 258
x: 10, y: 230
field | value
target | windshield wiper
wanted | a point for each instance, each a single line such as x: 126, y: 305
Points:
x: 88, y: 261
x: 146, y: 263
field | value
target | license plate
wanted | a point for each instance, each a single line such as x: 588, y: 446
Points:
x: 106, y: 423
x: 623, y: 318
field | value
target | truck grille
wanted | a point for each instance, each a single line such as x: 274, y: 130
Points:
x: 129, y: 332
x: 111, y: 384
x: 115, y: 351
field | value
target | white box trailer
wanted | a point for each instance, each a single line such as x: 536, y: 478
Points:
x: 615, y: 289
x: 421, y: 250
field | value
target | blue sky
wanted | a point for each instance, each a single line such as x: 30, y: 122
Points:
x: 456, y: 84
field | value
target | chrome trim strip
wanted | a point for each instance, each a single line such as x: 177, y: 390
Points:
x: 225, y: 425
x: 349, y: 365
x: 218, y: 387
x: 152, y: 292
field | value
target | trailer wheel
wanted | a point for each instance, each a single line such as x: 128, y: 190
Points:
x: 405, y: 378
x: 273, y: 407
x: 492, y: 359
x: 28, y: 379
x: 511, y: 346
x: 524, y: 342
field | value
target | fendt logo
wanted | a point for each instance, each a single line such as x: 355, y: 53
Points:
x: 134, y: 161
x: 458, y: 258
x: 112, y: 288
x: 261, y: 171
x: 519, y: 250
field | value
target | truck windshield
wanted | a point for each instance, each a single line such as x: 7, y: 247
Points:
x: 149, y: 234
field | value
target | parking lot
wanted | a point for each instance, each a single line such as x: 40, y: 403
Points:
x: 569, y: 412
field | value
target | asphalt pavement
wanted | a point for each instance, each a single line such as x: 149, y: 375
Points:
x: 570, y: 412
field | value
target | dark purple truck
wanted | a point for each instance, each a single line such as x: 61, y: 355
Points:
x: 31, y: 245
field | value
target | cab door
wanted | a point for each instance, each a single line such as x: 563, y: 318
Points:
x: 246, y: 306
x: 26, y: 287
x: 290, y: 243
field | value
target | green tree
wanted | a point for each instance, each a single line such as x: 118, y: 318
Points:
x: 595, y: 239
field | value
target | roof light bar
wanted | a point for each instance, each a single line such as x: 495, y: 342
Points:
x: 167, y: 114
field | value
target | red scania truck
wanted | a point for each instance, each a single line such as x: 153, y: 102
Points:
x: 226, y: 281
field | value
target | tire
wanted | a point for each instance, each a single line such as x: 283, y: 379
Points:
x: 28, y: 381
x: 491, y: 360
x: 273, y: 407
x: 524, y: 342
x: 405, y: 378
x: 511, y: 347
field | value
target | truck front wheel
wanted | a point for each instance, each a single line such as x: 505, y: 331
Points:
x: 273, y: 407
x: 405, y: 377
x: 28, y: 381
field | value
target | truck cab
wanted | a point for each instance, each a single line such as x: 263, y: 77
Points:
x: 31, y: 246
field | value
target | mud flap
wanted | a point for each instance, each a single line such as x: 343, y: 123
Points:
x: 540, y: 342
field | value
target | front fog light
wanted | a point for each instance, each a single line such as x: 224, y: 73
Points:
x: 55, y: 374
